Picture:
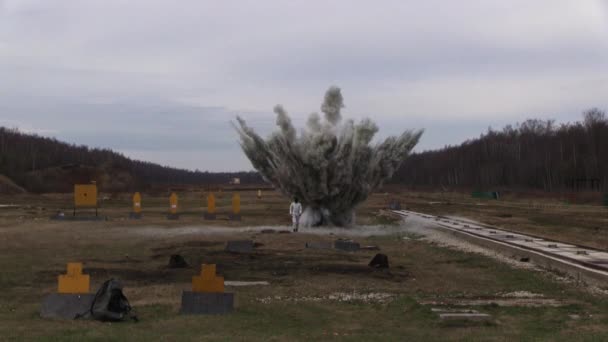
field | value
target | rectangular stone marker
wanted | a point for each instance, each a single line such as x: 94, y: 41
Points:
x: 194, y: 303
x: 240, y: 246
x: 319, y: 245
x: 346, y: 245
x: 66, y: 305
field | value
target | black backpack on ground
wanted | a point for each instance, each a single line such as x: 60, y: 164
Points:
x: 110, y: 304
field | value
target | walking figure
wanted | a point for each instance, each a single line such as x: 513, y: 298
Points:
x: 295, y: 210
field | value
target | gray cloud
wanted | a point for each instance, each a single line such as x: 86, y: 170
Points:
x: 161, y: 80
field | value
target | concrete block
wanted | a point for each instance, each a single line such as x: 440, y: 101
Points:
x: 268, y: 231
x: 208, y: 216
x: 172, y: 216
x: 200, y: 303
x: 319, y: 245
x: 134, y: 216
x: 346, y: 245
x: 240, y: 246
x: 235, y: 217
x: 66, y: 305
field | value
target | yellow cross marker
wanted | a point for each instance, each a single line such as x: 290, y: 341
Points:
x: 211, y: 204
x: 74, y: 281
x: 208, y: 281
x: 173, y: 203
x: 236, y: 204
x: 137, y: 203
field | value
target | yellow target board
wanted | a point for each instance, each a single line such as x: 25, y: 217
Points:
x: 85, y: 195
x: 137, y: 203
x: 211, y: 204
x: 173, y: 203
x: 236, y: 204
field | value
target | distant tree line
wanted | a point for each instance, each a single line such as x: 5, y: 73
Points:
x: 533, y: 155
x: 42, y: 164
x: 536, y: 154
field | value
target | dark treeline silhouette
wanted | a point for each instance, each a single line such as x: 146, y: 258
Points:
x: 41, y: 164
x: 533, y: 155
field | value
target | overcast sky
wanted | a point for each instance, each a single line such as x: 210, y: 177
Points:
x: 161, y: 80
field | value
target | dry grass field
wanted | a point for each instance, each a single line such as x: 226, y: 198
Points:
x: 312, y: 294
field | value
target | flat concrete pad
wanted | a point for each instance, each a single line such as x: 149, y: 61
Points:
x: 461, y: 316
x: 245, y: 283
x: 199, y: 303
x: 78, y: 218
x: 319, y: 245
x: 66, y: 305
x: 346, y: 245
x: 239, y: 246
x: 268, y: 231
x: 208, y: 216
x: 135, y: 216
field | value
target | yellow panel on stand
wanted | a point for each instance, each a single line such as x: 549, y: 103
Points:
x: 259, y: 194
x: 85, y: 195
x: 173, y: 203
x: 211, y: 204
x: 236, y: 204
x: 74, y: 281
x: 137, y: 203
x: 208, y: 281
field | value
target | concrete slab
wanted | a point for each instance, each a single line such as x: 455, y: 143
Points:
x: 346, y: 245
x: 461, y: 316
x: 319, y: 245
x: 208, y: 216
x: 245, y: 283
x: 134, y: 216
x: 200, y: 303
x: 78, y: 218
x: 239, y: 246
x: 66, y: 305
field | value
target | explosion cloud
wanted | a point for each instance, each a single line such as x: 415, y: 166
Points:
x: 331, y: 166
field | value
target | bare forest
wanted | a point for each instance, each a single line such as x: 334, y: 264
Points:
x: 533, y: 155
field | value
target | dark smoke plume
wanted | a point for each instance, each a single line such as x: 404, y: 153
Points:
x: 331, y: 165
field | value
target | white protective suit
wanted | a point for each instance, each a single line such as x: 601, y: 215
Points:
x: 295, y: 210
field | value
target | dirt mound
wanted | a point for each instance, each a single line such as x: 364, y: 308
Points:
x: 8, y: 187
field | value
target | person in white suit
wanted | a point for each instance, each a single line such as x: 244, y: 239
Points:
x: 295, y: 210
